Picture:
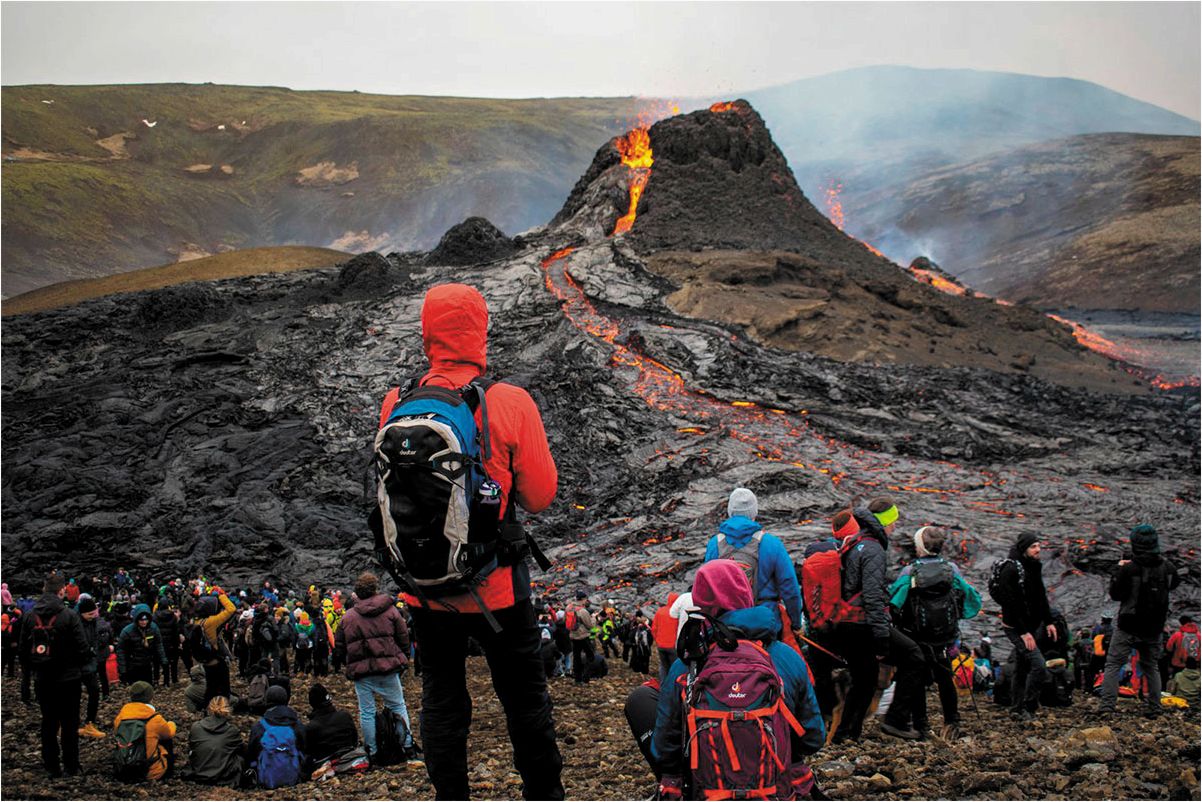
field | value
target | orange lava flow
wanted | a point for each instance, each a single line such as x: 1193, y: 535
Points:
x: 718, y: 108
x: 635, y: 149
x: 1096, y: 488
x: 937, y: 281
x: 834, y: 206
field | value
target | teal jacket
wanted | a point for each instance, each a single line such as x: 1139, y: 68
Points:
x: 900, y: 590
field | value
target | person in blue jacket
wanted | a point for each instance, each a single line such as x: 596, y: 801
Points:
x: 721, y: 589
x: 762, y: 556
x: 928, y: 545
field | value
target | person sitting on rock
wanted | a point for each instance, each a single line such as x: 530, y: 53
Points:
x: 330, y: 731
x: 194, y: 691
x: 721, y: 590
x: 158, y: 732
x: 284, y: 763
x: 1186, y: 683
x: 215, y: 748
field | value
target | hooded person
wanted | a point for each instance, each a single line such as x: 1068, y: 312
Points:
x: 1141, y: 586
x: 721, y: 590
x: 764, y: 559
x: 195, y: 696
x: 455, y: 337
x: 159, y: 732
x: 1184, y: 643
x: 664, y: 630
x: 215, y: 748
x: 140, y: 648
x: 6, y: 598
x: 1020, y: 591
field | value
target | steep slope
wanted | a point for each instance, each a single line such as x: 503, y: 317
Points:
x: 1102, y: 221
x: 234, y: 167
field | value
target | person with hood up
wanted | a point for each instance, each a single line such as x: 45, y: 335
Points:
x: 53, y: 650
x: 160, y: 733
x: 140, y: 648
x: 872, y: 640
x: 71, y: 592
x: 721, y: 589
x: 278, y: 714
x: 763, y: 557
x: 1142, y: 586
x: 330, y: 731
x: 99, y: 636
x: 373, y: 642
x: 215, y: 748
x: 195, y: 692
x: 1025, y: 612
x: 6, y: 598
x: 455, y: 337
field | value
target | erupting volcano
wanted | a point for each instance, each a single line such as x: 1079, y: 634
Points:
x: 732, y: 336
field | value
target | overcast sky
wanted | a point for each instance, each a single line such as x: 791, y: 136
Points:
x: 1147, y: 50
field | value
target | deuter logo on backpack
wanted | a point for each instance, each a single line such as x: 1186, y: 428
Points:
x: 439, y: 513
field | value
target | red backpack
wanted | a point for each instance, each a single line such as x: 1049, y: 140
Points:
x: 822, y: 589
x: 1187, y: 647
x: 569, y: 619
x: 738, y: 728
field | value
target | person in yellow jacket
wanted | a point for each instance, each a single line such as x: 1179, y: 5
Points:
x: 211, y: 614
x: 160, y: 733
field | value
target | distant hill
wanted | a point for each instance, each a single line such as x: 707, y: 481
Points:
x: 1102, y: 221
x: 234, y: 264
x: 874, y: 125
x: 102, y: 179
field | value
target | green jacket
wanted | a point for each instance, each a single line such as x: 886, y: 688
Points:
x: 899, y: 591
x: 1187, y: 683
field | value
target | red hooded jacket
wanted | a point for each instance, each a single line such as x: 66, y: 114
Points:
x: 1170, y: 648
x: 663, y: 625
x: 455, y: 337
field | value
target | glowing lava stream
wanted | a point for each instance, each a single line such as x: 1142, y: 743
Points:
x: 635, y: 148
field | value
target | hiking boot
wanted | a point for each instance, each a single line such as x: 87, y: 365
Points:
x: 75, y: 771
x: 900, y: 732
x: 90, y: 730
x: 951, y: 731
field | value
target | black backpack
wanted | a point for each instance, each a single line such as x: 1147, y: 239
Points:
x: 1152, y: 596
x: 40, y: 653
x: 130, y: 763
x: 995, y: 576
x: 934, y: 602
x: 389, y: 744
x: 1057, y: 690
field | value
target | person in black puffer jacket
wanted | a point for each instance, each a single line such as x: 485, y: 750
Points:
x: 865, y: 644
x: 1026, y: 616
x: 330, y: 731
x: 1141, y: 585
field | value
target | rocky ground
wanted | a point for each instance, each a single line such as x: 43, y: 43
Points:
x: 1060, y: 756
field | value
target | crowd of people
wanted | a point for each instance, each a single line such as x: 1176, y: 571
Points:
x: 759, y: 662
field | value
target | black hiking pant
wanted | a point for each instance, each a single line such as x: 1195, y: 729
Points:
x: 823, y: 666
x: 517, y: 675
x: 1029, y: 674
x: 217, y: 680
x: 582, y: 659
x: 60, y: 715
x: 858, y: 647
x: 171, y: 670
x: 640, y: 710
x: 937, y: 669
x: 91, y: 682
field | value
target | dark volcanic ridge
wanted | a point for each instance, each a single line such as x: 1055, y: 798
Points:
x: 228, y: 425
x: 473, y: 241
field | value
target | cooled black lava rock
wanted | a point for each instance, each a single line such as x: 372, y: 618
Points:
x: 473, y: 241
x: 370, y: 272
x: 718, y: 180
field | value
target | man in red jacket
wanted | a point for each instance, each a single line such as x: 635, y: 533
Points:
x: 663, y: 629
x: 455, y: 336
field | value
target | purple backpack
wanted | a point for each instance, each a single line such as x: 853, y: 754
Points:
x: 737, y: 725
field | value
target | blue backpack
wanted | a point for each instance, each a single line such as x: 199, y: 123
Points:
x: 279, y: 762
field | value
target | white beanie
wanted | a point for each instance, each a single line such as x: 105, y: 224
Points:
x: 742, y: 502
x: 920, y: 546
